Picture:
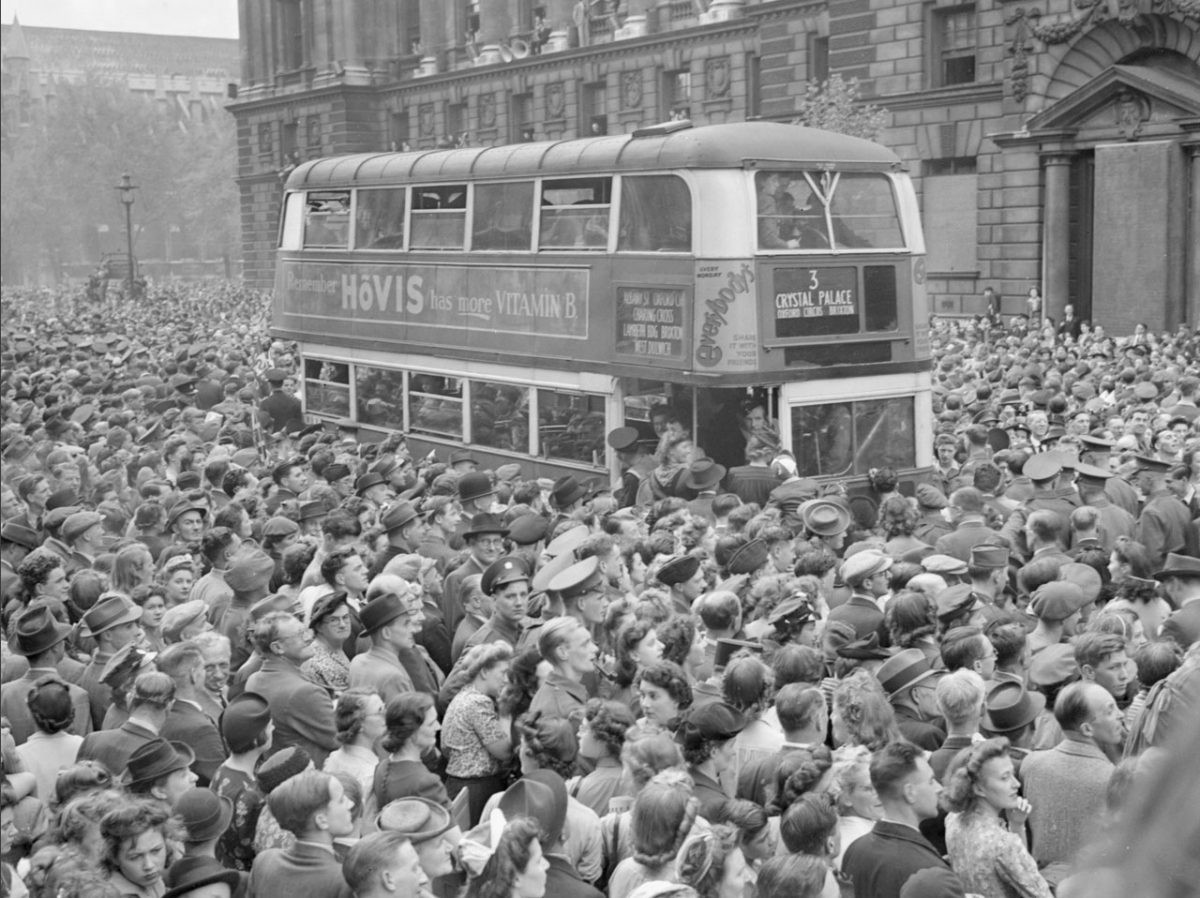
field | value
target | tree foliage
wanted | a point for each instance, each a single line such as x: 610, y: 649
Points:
x: 836, y: 105
x: 61, y: 170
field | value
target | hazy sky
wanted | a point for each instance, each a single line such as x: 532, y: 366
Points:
x: 203, y: 18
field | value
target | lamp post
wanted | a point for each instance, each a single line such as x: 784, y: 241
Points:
x: 127, y: 187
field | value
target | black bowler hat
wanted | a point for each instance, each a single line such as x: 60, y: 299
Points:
x: 191, y: 873
x: 382, y: 610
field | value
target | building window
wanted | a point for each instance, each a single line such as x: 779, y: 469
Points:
x: 592, y: 109
x: 289, y: 142
x: 521, y: 120
x: 951, y: 189
x: 952, y: 45
x: 753, y: 86
x: 312, y: 136
x: 398, y: 136
x: 677, y: 95
x: 291, y: 32
x: 818, y: 58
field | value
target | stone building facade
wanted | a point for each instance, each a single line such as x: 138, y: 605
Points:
x: 1055, y: 147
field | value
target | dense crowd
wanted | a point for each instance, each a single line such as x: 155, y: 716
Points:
x: 253, y: 656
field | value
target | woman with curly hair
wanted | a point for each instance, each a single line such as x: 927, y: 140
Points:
x: 713, y: 864
x: 911, y: 620
x: 412, y: 727
x: 547, y: 743
x: 601, y: 738
x: 637, y: 556
x: 1132, y: 576
x: 77, y: 847
x: 988, y: 854
x: 137, y: 847
x: 476, y: 740
x: 635, y: 648
x: 331, y: 621
x: 897, y: 520
x: 858, y: 804
x: 683, y: 643
x: 526, y: 674
x: 517, y: 868
x: 663, y: 816
x: 361, y: 720
x: 664, y: 693
x: 861, y: 714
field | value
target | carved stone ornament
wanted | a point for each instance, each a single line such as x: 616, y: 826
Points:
x: 1132, y: 110
x: 556, y: 101
x: 487, y: 110
x: 425, y: 118
x: 716, y: 78
x: 631, y: 89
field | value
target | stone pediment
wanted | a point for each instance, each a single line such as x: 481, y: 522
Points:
x: 1130, y: 100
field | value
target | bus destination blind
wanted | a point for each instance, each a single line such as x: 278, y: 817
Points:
x: 650, y: 322
x: 812, y: 302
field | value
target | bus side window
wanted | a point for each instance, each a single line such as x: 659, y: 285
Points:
x: 327, y: 218
x: 575, y: 214
x: 503, y: 216
x: 439, y: 217
x: 656, y: 215
x: 380, y: 219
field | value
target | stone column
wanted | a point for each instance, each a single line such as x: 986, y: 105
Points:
x: 560, y: 19
x: 494, y: 25
x: 1191, y: 289
x: 433, y: 35
x: 1056, y: 241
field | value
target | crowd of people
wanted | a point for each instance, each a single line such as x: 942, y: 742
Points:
x: 254, y: 656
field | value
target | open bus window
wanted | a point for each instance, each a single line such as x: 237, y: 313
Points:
x: 435, y: 405
x: 571, y: 426
x: 826, y: 210
x: 439, y: 217
x: 503, y: 217
x: 847, y: 438
x: 656, y: 215
x: 291, y: 232
x: 379, y: 219
x: 327, y: 388
x: 378, y: 395
x: 575, y: 214
x: 327, y: 218
x: 500, y: 416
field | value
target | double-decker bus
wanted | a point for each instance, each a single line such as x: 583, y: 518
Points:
x: 523, y: 300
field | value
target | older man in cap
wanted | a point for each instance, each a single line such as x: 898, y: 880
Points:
x: 484, y: 539
x: 112, y: 622
x: 388, y: 621
x: 866, y: 573
x: 300, y: 709
x: 43, y: 641
x: 1163, y: 525
x: 405, y: 528
x: 1180, y: 578
x: 83, y: 532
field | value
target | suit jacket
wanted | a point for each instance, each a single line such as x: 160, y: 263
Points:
x: 1183, y: 625
x: 99, y: 695
x: 305, y: 870
x: 563, y: 881
x: 188, y: 723
x: 301, y: 710
x: 379, y: 669
x: 112, y: 748
x: 1162, y: 526
x: 881, y: 862
x: 559, y: 697
x: 863, y: 614
x: 12, y: 705
x: 286, y: 412
x: 452, y: 604
x: 967, y: 536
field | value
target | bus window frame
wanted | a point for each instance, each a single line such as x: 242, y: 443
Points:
x: 406, y: 189
x: 613, y: 207
x: 351, y: 213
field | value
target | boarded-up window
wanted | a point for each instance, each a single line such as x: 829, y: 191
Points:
x: 950, y: 220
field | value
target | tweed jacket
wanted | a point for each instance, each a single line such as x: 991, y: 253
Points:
x: 380, y: 669
x: 188, y: 723
x: 305, y: 870
x: 300, y: 709
x: 1066, y: 785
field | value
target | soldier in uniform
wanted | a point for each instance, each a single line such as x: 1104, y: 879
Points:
x: 287, y: 413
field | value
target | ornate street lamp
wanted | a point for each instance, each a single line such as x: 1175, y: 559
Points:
x: 127, y: 187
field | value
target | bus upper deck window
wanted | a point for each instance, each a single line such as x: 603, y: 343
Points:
x: 503, y: 216
x: 439, y: 217
x: 656, y: 215
x: 863, y: 209
x: 379, y: 219
x: 826, y: 210
x: 291, y: 232
x: 575, y: 214
x: 327, y: 218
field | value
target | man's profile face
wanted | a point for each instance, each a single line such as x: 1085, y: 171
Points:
x: 1113, y: 674
x: 1107, y: 722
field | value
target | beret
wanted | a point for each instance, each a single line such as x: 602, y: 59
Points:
x: 1053, y: 664
x: 748, y: 558
x: 678, y: 570
x: 280, y: 526
x: 1057, y: 600
x: 335, y: 471
x: 713, y: 721
x: 528, y: 529
x: 1146, y: 391
x: 1085, y: 577
x: 281, y: 767
x: 929, y: 496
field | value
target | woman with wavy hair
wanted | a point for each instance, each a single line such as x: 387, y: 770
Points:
x: 857, y: 803
x: 645, y: 758
x: 713, y: 864
x: 861, y: 714
x: 412, y: 728
x: 663, y: 816
x: 911, y: 620
x: 517, y: 868
x: 635, y: 647
x: 360, y: 718
x: 601, y: 738
x: 1132, y: 572
x: 988, y: 853
x: 138, y: 847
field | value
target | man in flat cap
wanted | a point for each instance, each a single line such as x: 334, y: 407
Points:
x: 866, y: 573
x: 636, y: 464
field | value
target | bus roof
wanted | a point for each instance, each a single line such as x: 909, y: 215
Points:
x: 736, y: 145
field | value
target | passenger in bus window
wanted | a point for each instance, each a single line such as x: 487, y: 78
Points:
x: 769, y: 213
x: 756, y: 423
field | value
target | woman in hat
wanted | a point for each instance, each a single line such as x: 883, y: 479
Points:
x: 360, y: 717
x: 153, y: 601
x: 476, y: 739
x: 707, y: 738
x: 412, y: 728
x: 138, y: 848
x: 330, y: 621
x: 713, y: 864
x: 516, y: 868
x: 985, y: 829
x: 176, y: 573
x: 663, y: 816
